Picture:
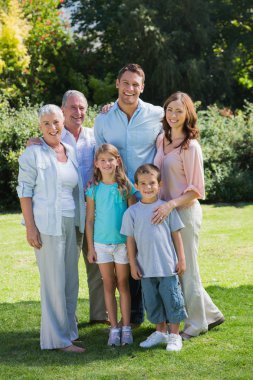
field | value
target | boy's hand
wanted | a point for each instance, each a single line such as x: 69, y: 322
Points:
x: 181, y: 267
x: 135, y: 272
x: 92, y: 256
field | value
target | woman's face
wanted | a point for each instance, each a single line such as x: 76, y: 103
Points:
x: 51, y: 126
x: 176, y: 115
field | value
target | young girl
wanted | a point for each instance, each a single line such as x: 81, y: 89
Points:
x: 107, y: 200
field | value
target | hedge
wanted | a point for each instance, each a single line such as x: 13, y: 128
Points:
x: 226, y: 139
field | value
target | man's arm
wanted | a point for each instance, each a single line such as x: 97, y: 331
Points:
x: 98, y: 131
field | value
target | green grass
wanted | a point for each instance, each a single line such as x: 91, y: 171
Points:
x: 226, y: 263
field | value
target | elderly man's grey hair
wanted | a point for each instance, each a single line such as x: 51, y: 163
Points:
x: 73, y: 93
x: 49, y: 109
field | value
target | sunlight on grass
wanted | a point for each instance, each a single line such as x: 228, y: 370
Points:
x: 226, y: 263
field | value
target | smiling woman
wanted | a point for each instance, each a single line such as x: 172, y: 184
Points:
x: 51, y: 196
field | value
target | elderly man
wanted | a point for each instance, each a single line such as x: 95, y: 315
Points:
x: 132, y: 126
x: 74, y: 107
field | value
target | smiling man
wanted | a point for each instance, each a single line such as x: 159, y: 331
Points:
x: 132, y: 126
x: 74, y: 107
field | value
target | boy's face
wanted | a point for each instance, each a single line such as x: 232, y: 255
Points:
x: 148, y: 186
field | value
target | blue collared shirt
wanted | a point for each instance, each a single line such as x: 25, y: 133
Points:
x: 39, y: 179
x: 135, y: 139
x: 84, y: 148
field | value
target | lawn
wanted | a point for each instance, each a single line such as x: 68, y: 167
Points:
x: 226, y: 352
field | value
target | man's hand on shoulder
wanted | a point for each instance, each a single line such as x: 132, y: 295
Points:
x: 34, y: 141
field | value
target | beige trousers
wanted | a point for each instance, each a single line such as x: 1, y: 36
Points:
x: 200, y: 308
x: 95, y: 283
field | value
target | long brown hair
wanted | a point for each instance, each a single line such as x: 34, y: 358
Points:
x: 190, y: 125
x: 123, y: 182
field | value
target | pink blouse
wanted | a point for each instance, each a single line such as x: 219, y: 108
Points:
x: 181, y: 170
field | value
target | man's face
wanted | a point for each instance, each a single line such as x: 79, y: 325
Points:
x: 74, y: 112
x: 129, y: 86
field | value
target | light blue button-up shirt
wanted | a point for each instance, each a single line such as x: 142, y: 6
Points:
x: 135, y: 139
x: 39, y: 179
x: 84, y: 148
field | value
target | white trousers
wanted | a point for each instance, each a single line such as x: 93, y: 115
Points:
x: 200, y: 308
x: 58, y: 266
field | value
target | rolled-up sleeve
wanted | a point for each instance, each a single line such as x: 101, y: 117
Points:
x: 193, y: 168
x: 27, y: 174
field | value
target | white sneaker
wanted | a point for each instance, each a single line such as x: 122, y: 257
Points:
x: 154, y: 339
x: 174, y: 343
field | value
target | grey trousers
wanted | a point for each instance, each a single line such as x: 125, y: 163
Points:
x: 95, y: 282
x: 58, y: 266
x: 200, y: 308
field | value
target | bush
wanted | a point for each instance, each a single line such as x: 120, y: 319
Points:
x: 16, y: 127
x: 227, y: 144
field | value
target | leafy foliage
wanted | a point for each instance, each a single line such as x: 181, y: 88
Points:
x: 227, y: 143
x: 188, y: 45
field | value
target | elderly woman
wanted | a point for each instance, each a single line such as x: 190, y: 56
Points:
x: 179, y: 157
x: 52, y: 202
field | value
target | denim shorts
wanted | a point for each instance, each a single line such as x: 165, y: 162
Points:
x: 163, y: 299
x: 111, y: 253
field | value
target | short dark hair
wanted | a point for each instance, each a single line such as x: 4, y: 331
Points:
x: 147, y: 169
x: 134, y: 68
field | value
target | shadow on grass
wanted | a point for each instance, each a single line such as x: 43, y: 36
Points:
x: 20, y: 324
x: 221, y: 204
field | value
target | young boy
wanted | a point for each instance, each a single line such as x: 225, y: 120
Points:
x: 158, y: 261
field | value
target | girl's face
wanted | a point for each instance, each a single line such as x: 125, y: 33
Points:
x: 176, y: 115
x: 106, y: 163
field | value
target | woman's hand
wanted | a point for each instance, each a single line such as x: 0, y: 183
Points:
x: 92, y: 256
x: 33, y: 237
x: 161, y: 212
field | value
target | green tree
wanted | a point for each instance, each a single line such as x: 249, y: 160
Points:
x: 14, y: 56
x: 184, y: 45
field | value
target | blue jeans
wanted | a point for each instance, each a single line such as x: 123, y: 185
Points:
x: 137, y: 310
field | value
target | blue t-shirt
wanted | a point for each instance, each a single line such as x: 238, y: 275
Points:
x: 109, y: 209
x: 156, y: 254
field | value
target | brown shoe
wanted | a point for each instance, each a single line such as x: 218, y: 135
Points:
x: 99, y: 322
x: 216, y: 323
x: 73, y: 348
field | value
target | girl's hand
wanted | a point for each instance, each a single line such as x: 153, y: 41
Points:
x: 181, y: 267
x: 33, y: 237
x: 161, y: 212
x: 135, y: 272
x: 92, y: 256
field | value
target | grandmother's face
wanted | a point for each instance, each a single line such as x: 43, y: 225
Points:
x: 51, y: 126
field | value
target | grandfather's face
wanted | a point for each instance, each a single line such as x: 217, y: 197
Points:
x: 74, y: 112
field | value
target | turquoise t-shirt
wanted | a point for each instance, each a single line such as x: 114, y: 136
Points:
x: 109, y: 209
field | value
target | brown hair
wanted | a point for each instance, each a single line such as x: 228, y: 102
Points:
x: 120, y: 175
x: 134, y: 68
x: 190, y: 125
x: 147, y: 169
